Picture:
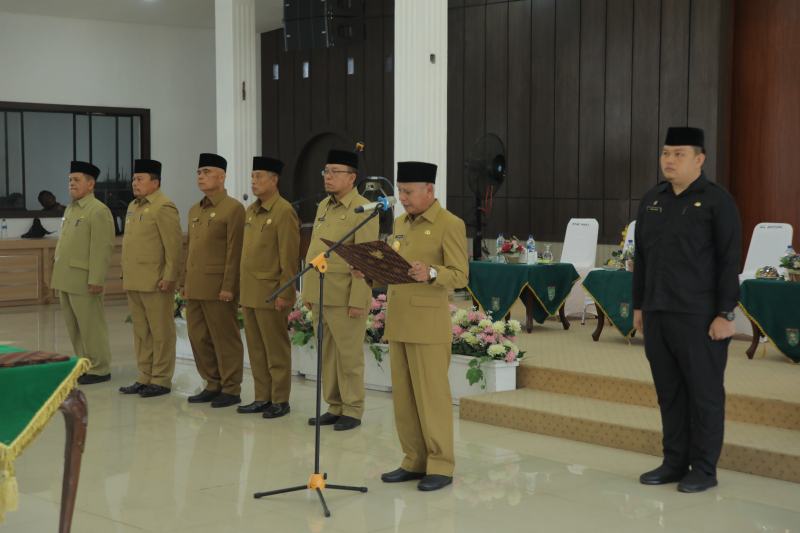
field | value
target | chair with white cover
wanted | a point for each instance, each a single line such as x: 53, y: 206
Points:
x: 767, y: 245
x: 580, y: 249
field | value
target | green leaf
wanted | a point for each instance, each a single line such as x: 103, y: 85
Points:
x: 474, y: 375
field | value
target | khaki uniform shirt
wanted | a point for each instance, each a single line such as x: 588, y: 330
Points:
x: 152, y: 243
x: 333, y: 220
x: 270, y: 253
x: 420, y: 312
x: 83, y: 252
x: 215, y: 247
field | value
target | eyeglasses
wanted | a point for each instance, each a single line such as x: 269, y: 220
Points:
x: 328, y: 172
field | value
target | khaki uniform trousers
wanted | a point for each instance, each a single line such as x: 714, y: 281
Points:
x: 423, y: 410
x: 153, y: 336
x: 342, y: 360
x: 86, y: 324
x: 216, y: 343
x: 270, y: 353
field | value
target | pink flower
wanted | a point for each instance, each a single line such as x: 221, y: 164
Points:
x: 381, y: 316
x: 473, y: 316
x: 377, y: 324
x: 453, y: 308
x: 511, y: 356
x: 294, y: 315
x: 382, y: 297
x: 457, y: 330
x: 488, y: 330
x: 376, y: 304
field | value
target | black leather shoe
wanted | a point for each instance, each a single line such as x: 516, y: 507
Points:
x: 662, y: 475
x: 226, y: 400
x: 434, y: 482
x: 204, y: 397
x: 153, y: 390
x: 346, y: 422
x: 277, y: 410
x: 255, y: 407
x: 91, y: 379
x: 327, y: 419
x: 697, y: 481
x: 132, y: 389
x: 400, y: 475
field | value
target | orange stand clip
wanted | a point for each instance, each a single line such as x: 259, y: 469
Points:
x: 316, y: 481
x: 320, y: 263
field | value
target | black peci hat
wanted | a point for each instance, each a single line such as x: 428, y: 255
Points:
x: 147, y: 166
x: 682, y: 136
x: 270, y: 164
x: 342, y: 157
x: 416, y: 171
x: 212, y: 160
x: 85, y: 168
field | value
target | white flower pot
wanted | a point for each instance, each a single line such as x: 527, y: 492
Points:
x: 500, y: 376
x: 304, y: 359
x: 377, y: 376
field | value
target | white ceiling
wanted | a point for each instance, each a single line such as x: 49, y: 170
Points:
x: 185, y: 13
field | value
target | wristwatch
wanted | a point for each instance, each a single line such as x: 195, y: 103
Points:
x: 432, y: 275
x: 727, y: 315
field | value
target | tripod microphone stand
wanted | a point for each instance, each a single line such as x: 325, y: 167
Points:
x: 317, y: 481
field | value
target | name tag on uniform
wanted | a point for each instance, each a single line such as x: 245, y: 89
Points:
x: 654, y: 208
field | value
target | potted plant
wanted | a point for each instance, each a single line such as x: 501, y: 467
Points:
x: 377, y: 368
x: 791, y: 262
x: 485, y: 357
x: 512, y: 250
x: 183, y: 348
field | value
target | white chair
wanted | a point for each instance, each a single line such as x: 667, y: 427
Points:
x: 767, y: 246
x: 580, y: 249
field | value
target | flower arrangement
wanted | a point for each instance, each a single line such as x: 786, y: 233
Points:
x: 180, y: 306
x: 511, y: 246
x: 791, y: 262
x: 300, y: 322
x: 476, y: 335
x: 622, y: 259
x: 376, y: 324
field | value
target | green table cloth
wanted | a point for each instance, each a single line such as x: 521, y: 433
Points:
x: 29, y: 396
x: 612, y: 291
x: 496, y: 286
x: 774, y: 306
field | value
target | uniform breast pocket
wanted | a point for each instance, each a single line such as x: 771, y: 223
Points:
x: 217, y: 229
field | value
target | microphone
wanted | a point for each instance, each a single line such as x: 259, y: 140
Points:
x: 383, y: 203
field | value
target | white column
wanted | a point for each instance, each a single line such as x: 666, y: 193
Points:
x: 420, y: 85
x: 237, y: 89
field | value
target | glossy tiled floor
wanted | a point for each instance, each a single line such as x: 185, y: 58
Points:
x: 163, y: 465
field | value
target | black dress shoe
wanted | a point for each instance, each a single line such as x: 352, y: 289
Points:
x: 346, y: 422
x: 153, y: 390
x: 327, y: 419
x: 400, y: 475
x: 226, y: 400
x: 277, y: 410
x: 662, y: 475
x: 434, y: 482
x: 91, y: 379
x: 255, y: 407
x: 697, y: 481
x: 204, y: 397
x: 132, y: 389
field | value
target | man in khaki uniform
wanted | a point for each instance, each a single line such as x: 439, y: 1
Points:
x: 418, y: 328
x: 212, y: 283
x: 270, y: 258
x: 346, y: 298
x: 151, y: 254
x: 82, y: 256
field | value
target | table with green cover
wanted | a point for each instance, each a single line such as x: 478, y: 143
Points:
x: 773, y: 307
x: 612, y: 292
x: 29, y: 397
x: 543, y: 288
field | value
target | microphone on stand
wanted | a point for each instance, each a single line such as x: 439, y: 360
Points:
x: 383, y: 204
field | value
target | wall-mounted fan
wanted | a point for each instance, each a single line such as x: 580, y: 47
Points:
x: 485, y: 173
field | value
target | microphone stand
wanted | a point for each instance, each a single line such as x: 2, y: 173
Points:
x: 317, y: 481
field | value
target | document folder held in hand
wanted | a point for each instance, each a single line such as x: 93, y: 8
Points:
x: 377, y: 260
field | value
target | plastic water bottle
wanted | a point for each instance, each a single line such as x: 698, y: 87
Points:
x: 530, y: 248
x: 3, y: 229
x: 789, y: 249
x: 499, y: 243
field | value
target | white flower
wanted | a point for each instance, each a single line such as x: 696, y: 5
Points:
x: 496, y: 350
x: 469, y: 338
x: 460, y: 317
x: 515, y: 326
x: 499, y: 327
x: 485, y: 323
x: 507, y: 343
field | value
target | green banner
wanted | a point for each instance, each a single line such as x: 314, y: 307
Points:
x: 496, y: 286
x: 612, y: 291
x: 773, y: 306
